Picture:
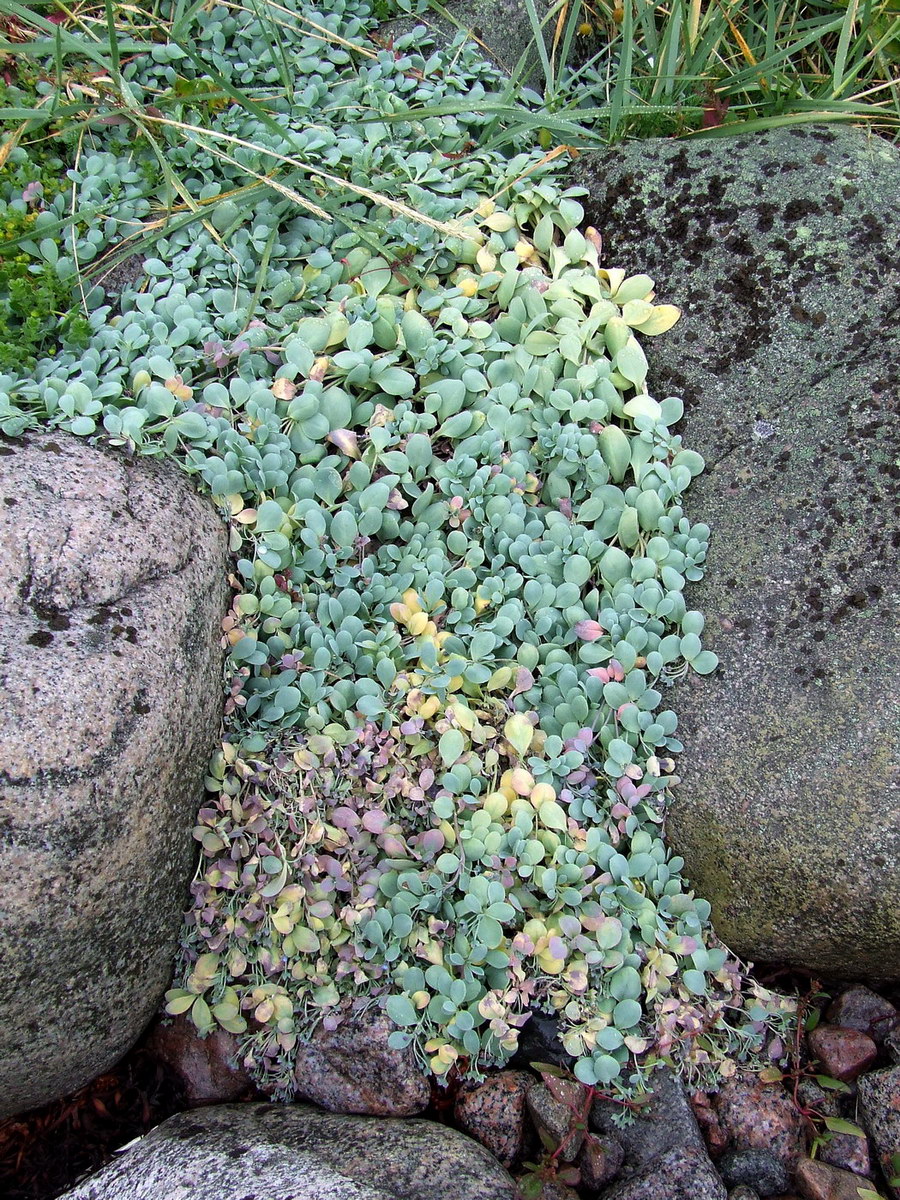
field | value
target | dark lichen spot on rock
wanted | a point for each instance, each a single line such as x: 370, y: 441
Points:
x: 103, y: 614
x: 796, y: 209
x: 186, y: 1133
x: 766, y: 213
x: 42, y: 637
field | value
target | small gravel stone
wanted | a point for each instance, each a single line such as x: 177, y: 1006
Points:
x: 209, y: 1068
x: 861, y: 1008
x: 600, y: 1160
x: 554, y: 1116
x: 892, y: 1045
x: 755, y: 1168
x: 843, y: 1053
x: 760, y: 1116
x: 742, y: 1192
x: 823, y: 1100
x: 555, y: 1189
x: 714, y: 1135
x: 352, y: 1069
x: 848, y: 1152
x: 677, y: 1174
x: 666, y: 1122
x: 493, y: 1113
x: 879, y: 1110
x: 817, y: 1181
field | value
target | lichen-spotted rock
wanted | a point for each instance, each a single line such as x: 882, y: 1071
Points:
x: 782, y: 250
x: 112, y: 590
x: 501, y: 30
x: 294, y: 1152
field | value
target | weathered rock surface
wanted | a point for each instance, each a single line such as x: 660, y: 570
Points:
x: 352, y: 1069
x: 861, y: 1008
x: 664, y: 1123
x: 780, y: 250
x: 843, y: 1053
x: 500, y: 29
x: 209, y: 1068
x: 665, y: 1157
x: 760, y: 1116
x: 295, y: 1152
x: 756, y: 1169
x: 113, y: 589
x: 600, y: 1160
x: 879, y: 1109
x: 848, y: 1152
x: 493, y: 1113
x: 555, y: 1112
x: 678, y: 1174
x: 816, y: 1181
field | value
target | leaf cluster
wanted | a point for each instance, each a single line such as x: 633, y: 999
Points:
x: 460, y: 549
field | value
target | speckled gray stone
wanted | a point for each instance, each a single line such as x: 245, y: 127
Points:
x: 352, y: 1069
x: 742, y: 1192
x: 665, y: 1157
x: 493, y: 1113
x: 112, y: 590
x: 879, y: 1111
x: 782, y: 250
x: 678, y: 1174
x: 295, y: 1152
x: 756, y: 1169
x: 555, y: 1116
x: 500, y: 29
x: 664, y: 1123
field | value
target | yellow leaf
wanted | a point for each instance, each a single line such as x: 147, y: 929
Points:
x: 553, y: 816
x: 519, y: 731
x: 613, y: 278
x: 417, y: 623
x: 429, y: 707
x: 518, y: 781
x: 495, y: 804
x: 284, y: 389
x: 636, y: 312
x: 485, y: 261
x: 179, y: 388
x: 542, y: 793
x: 661, y: 319
x: 500, y: 679
x: 500, y: 222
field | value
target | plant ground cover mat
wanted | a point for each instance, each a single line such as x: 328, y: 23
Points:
x: 460, y: 551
